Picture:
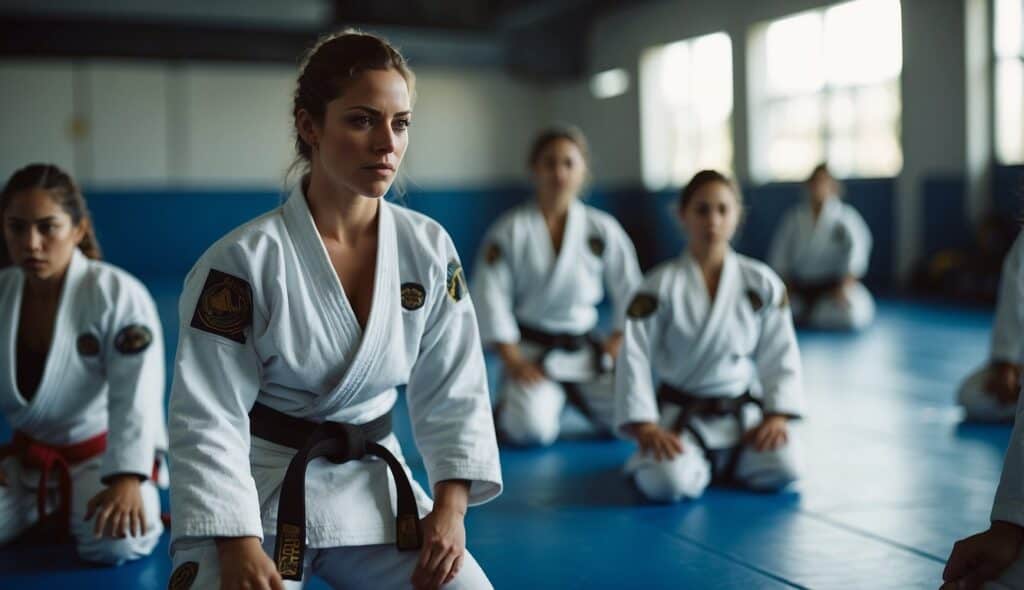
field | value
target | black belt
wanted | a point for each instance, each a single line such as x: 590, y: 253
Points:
x: 694, y: 406
x: 338, y: 443
x: 549, y: 342
x: 811, y: 292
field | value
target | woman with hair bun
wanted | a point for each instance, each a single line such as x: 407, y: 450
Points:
x: 297, y: 329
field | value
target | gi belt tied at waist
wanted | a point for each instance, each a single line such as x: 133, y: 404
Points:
x: 549, y: 342
x: 57, y: 459
x: 338, y: 443
x: 695, y: 406
x: 811, y: 292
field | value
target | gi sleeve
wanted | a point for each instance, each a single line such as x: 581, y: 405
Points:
x: 494, y: 289
x: 780, y: 255
x: 134, y: 366
x: 777, y: 357
x: 635, y: 396
x: 448, y: 397
x: 622, y: 272
x: 216, y: 381
x: 1009, y: 502
x: 859, y: 243
x: 1006, y: 331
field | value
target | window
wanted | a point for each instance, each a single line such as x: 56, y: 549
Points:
x: 686, y: 109
x: 819, y: 92
x: 609, y: 83
x: 1009, y: 81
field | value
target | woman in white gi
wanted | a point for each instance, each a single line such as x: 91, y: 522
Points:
x: 990, y: 393
x: 992, y: 559
x: 822, y: 250
x: 83, y: 379
x: 716, y: 329
x: 542, y: 270
x: 296, y: 330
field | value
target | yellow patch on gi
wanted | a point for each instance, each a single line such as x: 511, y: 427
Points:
x: 183, y: 576
x: 413, y: 296
x: 643, y: 305
x: 456, y: 284
x: 133, y: 339
x: 224, y: 307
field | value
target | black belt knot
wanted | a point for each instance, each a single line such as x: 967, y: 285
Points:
x: 339, y: 443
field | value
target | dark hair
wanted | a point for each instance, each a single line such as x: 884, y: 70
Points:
x: 330, y: 66
x: 820, y: 169
x: 552, y: 134
x: 702, y: 179
x: 66, y: 194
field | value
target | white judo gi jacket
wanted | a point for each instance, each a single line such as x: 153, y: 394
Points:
x: 519, y: 278
x: 104, y: 371
x: 1009, y: 319
x: 265, y: 317
x: 743, y: 340
x: 837, y: 245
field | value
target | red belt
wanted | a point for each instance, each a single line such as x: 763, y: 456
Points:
x: 49, y: 458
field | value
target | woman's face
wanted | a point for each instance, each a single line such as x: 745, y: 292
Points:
x: 560, y: 169
x: 821, y: 187
x: 40, y: 235
x: 711, y: 215
x: 360, y: 145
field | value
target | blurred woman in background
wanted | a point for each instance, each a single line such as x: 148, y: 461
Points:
x: 714, y: 328
x: 822, y: 250
x: 542, y: 270
x: 83, y: 379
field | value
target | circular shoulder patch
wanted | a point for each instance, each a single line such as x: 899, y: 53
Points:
x: 133, y: 339
x: 224, y: 307
x: 413, y: 296
x: 88, y: 345
x: 456, y: 284
x: 596, y: 245
x: 642, y: 306
x: 183, y: 576
x: 492, y: 254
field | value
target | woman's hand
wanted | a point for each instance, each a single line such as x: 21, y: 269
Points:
x: 978, y: 559
x: 444, y: 537
x: 613, y: 344
x: 517, y: 368
x: 245, y: 566
x: 1003, y: 381
x: 117, y: 508
x: 772, y: 433
x: 655, y: 441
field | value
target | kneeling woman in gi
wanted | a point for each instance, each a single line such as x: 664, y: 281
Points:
x: 715, y: 327
x: 297, y: 328
x: 542, y: 270
x: 822, y: 250
x: 83, y: 379
x: 990, y: 393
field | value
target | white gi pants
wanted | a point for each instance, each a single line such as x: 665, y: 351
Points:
x: 688, y: 474
x: 980, y: 405
x: 365, y: 566
x: 856, y: 313
x: 18, y: 512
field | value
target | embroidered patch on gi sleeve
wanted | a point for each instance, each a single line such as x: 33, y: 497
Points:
x: 224, y: 307
x: 839, y: 234
x: 596, y: 245
x: 456, y: 284
x: 642, y: 306
x: 413, y: 296
x: 492, y: 254
x: 133, y: 339
x: 88, y: 345
x: 183, y: 576
x: 755, y: 300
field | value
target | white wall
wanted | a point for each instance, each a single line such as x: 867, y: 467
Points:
x: 156, y: 125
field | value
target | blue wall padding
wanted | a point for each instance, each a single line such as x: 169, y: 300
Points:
x: 944, y: 214
x: 1008, y: 191
x: 161, y: 233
